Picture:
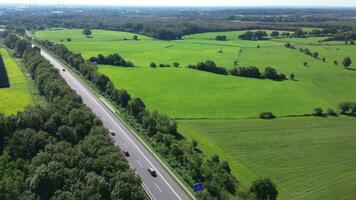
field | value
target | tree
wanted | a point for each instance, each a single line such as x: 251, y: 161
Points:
x: 331, y: 112
x: 335, y: 62
x: 275, y: 34
x: 175, y: 64
x: 87, y: 32
x: 318, y: 112
x: 323, y: 59
x: 267, y: 115
x: 264, y: 189
x: 135, y: 37
x: 305, y: 64
x: 20, y: 47
x: 291, y: 76
x: 67, y: 133
x: 136, y: 106
x: 347, y: 62
x: 69, y: 39
x: 270, y: 73
x: 153, y: 65
x: 315, y: 54
x: 345, y: 107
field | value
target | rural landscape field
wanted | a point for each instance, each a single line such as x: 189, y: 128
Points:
x: 18, y: 95
x: 307, y: 157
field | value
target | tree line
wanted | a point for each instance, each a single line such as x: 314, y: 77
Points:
x: 249, y: 72
x: 59, y: 150
x: 161, y: 132
x: 250, y: 35
x: 112, y: 59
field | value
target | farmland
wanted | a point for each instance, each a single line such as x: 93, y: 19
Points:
x: 223, y: 96
x: 308, y: 158
x: 18, y: 95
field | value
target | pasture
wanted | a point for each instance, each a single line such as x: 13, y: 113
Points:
x: 308, y: 158
x: 18, y: 95
x: 185, y: 93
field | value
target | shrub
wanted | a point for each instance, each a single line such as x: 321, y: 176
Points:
x: 344, y: 107
x: 153, y: 65
x: 267, y: 115
x: 331, y: 112
x: 318, y: 111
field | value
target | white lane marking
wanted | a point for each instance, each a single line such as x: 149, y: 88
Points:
x: 117, y: 124
x: 158, y: 188
x: 148, y: 192
x: 109, y: 106
x: 139, y: 163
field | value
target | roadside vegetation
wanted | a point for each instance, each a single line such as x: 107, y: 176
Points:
x: 60, y: 151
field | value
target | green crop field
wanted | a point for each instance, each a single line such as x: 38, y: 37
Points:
x: 18, y: 95
x: 185, y: 93
x: 308, y: 158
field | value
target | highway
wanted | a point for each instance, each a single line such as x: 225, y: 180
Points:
x: 162, y: 187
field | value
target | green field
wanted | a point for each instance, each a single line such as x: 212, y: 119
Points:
x: 185, y: 93
x: 308, y: 158
x: 18, y: 96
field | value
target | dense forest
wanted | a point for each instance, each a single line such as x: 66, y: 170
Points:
x: 59, y: 150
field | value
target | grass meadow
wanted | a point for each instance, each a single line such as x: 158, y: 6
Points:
x: 308, y: 158
x: 18, y: 95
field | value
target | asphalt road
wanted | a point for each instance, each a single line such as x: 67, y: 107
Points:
x: 162, y: 187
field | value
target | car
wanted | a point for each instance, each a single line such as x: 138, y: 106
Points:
x: 152, y: 172
x: 126, y: 153
x: 64, y: 70
x: 111, y: 132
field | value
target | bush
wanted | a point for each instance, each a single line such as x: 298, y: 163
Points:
x: 318, y: 111
x: 267, y: 115
x: 331, y: 112
x: 153, y: 65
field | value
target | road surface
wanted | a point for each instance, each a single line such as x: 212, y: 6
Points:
x: 162, y: 187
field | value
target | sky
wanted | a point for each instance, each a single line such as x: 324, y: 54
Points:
x: 307, y: 3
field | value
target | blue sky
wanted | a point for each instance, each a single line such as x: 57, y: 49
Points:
x: 322, y: 3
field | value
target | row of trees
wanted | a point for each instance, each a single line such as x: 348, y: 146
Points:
x: 209, y: 66
x: 221, y: 37
x: 184, y: 156
x: 254, y: 72
x: 250, y: 35
x: 60, y: 151
x: 112, y: 59
x: 154, y: 65
x: 250, y: 72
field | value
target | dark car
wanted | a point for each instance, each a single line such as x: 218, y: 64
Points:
x: 64, y: 70
x: 152, y: 172
x: 126, y: 153
x: 111, y: 132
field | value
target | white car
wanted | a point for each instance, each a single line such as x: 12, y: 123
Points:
x: 152, y: 172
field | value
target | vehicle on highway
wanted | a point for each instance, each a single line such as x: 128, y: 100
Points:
x: 111, y: 132
x: 64, y: 70
x: 126, y: 153
x: 152, y: 172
